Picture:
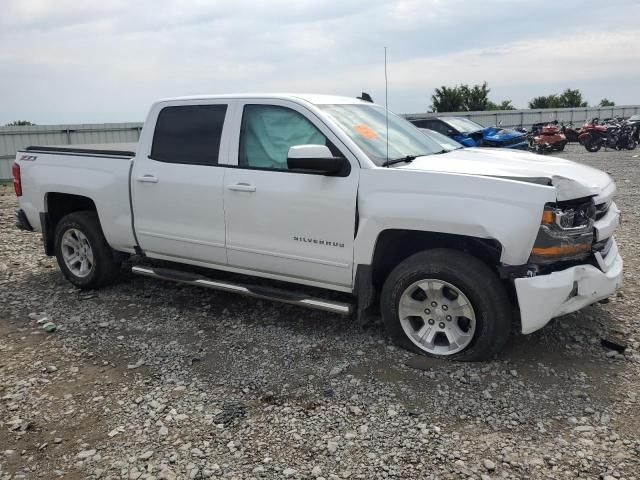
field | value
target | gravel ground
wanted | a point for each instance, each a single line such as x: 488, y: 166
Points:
x: 152, y: 380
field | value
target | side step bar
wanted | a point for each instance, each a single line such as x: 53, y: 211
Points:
x: 257, y: 291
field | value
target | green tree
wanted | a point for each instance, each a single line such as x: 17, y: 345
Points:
x: 548, y: 101
x: 504, y: 105
x: 20, y: 123
x: 464, y: 98
x: 447, y: 99
x: 567, y: 99
x: 476, y: 97
x: 572, y: 99
x: 605, y: 102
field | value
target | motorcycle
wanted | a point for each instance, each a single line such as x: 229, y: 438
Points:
x: 545, y: 138
x: 608, y: 134
x: 634, y: 122
x: 570, y: 133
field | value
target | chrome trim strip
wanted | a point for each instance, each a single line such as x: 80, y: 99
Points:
x: 180, y: 239
x: 290, y: 257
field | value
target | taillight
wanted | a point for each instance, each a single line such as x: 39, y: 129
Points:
x: 17, y: 181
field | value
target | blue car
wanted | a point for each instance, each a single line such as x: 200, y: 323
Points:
x: 472, y: 134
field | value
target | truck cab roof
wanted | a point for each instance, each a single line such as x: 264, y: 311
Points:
x: 316, y: 99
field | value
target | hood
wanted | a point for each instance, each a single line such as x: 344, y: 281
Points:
x: 500, y: 134
x: 571, y: 180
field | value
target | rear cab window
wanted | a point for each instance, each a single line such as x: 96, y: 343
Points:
x: 189, y: 134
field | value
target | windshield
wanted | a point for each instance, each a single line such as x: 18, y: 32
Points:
x: 366, y: 126
x: 463, y: 125
x: 448, y: 143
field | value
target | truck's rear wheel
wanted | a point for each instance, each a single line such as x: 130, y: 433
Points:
x: 446, y: 303
x: 84, y: 256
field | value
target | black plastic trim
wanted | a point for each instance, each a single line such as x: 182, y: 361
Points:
x: 92, y: 151
x: 22, y: 222
x: 47, y: 234
x: 366, y: 295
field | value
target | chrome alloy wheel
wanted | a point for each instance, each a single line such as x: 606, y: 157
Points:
x: 437, y: 317
x: 77, y: 253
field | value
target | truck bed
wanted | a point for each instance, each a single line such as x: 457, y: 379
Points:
x: 108, y: 150
x: 99, y: 173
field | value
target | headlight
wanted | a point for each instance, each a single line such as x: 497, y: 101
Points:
x: 566, y: 233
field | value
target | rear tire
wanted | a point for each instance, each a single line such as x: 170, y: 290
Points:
x: 84, y: 256
x: 592, y: 146
x: 469, y: 293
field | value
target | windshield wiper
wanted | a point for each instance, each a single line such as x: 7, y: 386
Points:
x: 406, y: 159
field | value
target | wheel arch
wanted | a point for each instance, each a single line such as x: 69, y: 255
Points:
x: 57, y: 205
x: 392, y: 246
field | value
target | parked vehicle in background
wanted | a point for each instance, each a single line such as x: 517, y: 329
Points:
x: 634, y: 122
x: 335, y: 195
x: 449, y: 143
x: 571, y: 133
x: 545, y: 138
x: 609, y: 134
x: 472, y: 134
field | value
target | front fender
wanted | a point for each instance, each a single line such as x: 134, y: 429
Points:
x: 505, y: 210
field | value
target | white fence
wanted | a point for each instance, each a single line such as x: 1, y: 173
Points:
x: 15, y: 138
x: 526, y: 118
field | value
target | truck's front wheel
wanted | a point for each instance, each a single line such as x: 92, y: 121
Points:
x: 446, y: 303
x: 83, y: 254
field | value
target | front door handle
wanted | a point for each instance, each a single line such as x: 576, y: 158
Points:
x: 147, y: 179
x: 242, y: 187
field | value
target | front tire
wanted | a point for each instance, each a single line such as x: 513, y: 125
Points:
x: 84, y: 256
x: 448, y: 304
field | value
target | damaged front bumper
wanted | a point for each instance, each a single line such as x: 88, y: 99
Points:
x: 544, y: 297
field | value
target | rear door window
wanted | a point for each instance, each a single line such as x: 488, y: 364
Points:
x: 189, y: 134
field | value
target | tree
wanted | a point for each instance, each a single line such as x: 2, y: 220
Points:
x: 465, y: 98
x: 476, y: 97
x: 572, y: 99
x: 447, y: 99
x: 20, y: 123
x: 567, y: 99
x: 548, y: 101
x: 605, y: 102
x: 504, y: 105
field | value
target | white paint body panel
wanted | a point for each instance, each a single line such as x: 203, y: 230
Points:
x: 544, y: 297
x: 104, y: 180
x: 199, y: 214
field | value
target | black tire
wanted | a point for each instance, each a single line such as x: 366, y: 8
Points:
x: 473, y: 278
x: 559, y: 147
x: 592, y: 146
x: 106, y: 261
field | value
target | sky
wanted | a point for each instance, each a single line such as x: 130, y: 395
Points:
x: 94, y: 61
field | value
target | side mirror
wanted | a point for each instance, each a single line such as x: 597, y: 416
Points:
x: 316, y: 159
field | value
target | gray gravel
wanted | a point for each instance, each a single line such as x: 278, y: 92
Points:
x: 151, y: 380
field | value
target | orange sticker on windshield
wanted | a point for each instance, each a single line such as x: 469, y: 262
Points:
x: 365, y: 130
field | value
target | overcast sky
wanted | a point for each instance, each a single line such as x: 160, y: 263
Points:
x: 77, y: 61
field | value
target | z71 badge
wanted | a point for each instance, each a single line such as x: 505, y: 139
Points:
x: 28, y: 158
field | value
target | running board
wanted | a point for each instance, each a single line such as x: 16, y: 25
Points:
x: 257, y: 291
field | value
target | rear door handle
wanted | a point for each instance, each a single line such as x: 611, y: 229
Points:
x: 242, y: 187
x: 147, y: 179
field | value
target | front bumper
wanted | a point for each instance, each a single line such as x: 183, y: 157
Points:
x: 544, y: 297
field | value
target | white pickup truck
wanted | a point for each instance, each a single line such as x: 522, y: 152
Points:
x: 452, y: 247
